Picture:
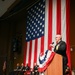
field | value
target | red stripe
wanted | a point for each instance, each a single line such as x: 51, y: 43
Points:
x: 25, y: 51
x: 50, y: 24
x: 68, y: 32
x: 30, y: 50
x: 42, y: 44
x: 35, y: 51
x: 58, y: 17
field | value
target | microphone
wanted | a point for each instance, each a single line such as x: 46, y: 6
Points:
x: 52, y: 42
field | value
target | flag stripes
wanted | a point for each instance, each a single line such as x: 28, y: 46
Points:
x: 56, y: 22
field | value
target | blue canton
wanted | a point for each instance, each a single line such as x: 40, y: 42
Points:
x: 35, y: 21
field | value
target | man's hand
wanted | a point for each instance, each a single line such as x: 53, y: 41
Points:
x: 51, y: 45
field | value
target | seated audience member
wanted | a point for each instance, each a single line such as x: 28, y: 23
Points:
x: 18, y: 67
x: 16, y: 71
x: 35, y: 69
x: 22, y: 69
x: 27, y: 67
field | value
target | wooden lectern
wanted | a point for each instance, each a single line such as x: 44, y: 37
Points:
x: 56, y: 66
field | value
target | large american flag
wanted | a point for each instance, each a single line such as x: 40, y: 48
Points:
x: 45, y: 19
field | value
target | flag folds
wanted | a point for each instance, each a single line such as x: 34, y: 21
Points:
x: 45, y: 19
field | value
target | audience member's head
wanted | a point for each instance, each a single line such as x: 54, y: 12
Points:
x: 18, y: 64
x: 22, y: 64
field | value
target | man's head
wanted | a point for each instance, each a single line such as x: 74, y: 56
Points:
x: 22, y: 64
x: 18, y: 64
x: 58, y: 38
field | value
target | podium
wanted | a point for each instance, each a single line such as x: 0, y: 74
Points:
x: 56, y: 66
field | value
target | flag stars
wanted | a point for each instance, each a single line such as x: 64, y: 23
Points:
x: 33, y: 35
x: 32, y: 21
x: 34, y: 17
x: 36, y: 25
x: 43, y: 12
x: 30, y: 31
x: 28, y: 35
x: 26, y: 38
x: 39, y: 10
x: 38, y: 21
x: 33, y: 10
x: 38, y: 34
x: 42, y: 25
x: 38, y: 15
x: 43, y: 19
x: 27, y: 27
x: 35, y: 21
x: 32, y: 27
x: 41, y: 5
x: 35, y: 31
x: 42, y: 32
x: 38, y: 28
x: 26, y: 32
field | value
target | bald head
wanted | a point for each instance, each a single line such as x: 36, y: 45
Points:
x: 58, y: 38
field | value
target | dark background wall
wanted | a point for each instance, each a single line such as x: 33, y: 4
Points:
x: 15, y: 27
x: 72, y: 31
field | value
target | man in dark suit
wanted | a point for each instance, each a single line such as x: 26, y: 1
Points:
x: 18, y: 67
x: 27, y: 69
x: 22, y: 68
x: 35, y: 69
x: 16, y: 71
x: 60, y: 48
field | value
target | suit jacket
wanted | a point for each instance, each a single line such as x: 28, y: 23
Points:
x: 18, y: 68
x: 60, y: 48
x: 35, y: 69
x: 27, y: 68
x: 22, y: 68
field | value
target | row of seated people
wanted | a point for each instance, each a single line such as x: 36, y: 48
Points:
x: 25, y: 70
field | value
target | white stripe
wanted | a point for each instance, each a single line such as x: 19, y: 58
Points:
x: 32, y: 53
x: 63, y: 19
x: 46, y: 25
x: 27, y: 54
x: 54, y: 22
x: 38, y: 49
